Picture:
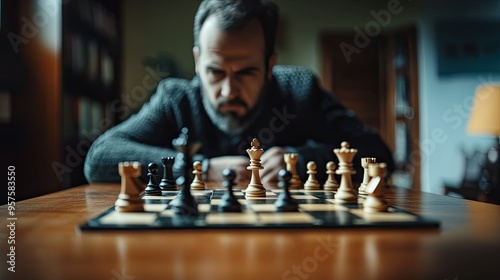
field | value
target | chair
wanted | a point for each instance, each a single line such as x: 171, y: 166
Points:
x: 477, y: 181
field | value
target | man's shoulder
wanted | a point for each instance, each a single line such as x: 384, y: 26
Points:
x: 295, y: 80
x: 292, y: 73
x: 178, y: 87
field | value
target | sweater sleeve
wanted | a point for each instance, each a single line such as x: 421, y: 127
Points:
x: 144, y: 137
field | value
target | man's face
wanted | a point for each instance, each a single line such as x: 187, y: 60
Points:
x: 231, y: 66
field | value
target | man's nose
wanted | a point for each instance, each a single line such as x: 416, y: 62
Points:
x: 230, y: 87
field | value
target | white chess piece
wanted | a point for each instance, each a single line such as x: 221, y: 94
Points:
x: 129, y: 199
x: 331, y: 183
x: 291, y: 165
x: 311, y: 183
x: 366, y: 178
x: 345, y: 193
x: 255, y: 187
x: 197, y: 183
x: 375, y: 201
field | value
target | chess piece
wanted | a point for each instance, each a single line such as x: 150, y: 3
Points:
x: 285, y: 201
x: 229, y: 203
x: 129, y: 199
x: 375, y: 201
x: 167, y: 182
x: 311, y: 183
x: 185, y: 204
x: 152, y: 187
x: 291, y: 165
x: 366, y: 178
x: 181, y: 162
x: 331, y: 183
x: 345, y: 193
x: 255, y: 187
x: 197, y: 183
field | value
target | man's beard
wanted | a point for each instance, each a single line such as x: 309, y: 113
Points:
x: 235, y: 101
x: 230, y: 122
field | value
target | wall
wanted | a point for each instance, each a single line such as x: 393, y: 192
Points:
x: 445, y: 102
x: 304, y: 21
x: 152, y: 27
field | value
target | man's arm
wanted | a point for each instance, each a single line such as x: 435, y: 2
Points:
x: 328, y: 123
x: 336, y: 124
x: 144, y: 137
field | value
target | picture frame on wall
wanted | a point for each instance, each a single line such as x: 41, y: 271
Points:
x: 468, y: 46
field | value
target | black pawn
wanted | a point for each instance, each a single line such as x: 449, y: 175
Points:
x: 285, y: 202
x: 229, y: 203
x: 167, y: 182
x: 152, y: 187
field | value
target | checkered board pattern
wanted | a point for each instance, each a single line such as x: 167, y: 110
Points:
x: 317, y: 209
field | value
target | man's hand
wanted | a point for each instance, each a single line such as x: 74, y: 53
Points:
x: 273, y: 162
x: 237, y: 163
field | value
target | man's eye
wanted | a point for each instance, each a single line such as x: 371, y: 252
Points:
x: 216, y: 72
x: 247, y: 72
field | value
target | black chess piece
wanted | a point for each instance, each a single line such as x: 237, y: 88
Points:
x: 167, y: 182
x: 229, y: 203
x: 285, y: 202
x: 179, y: 164
x: 152, y: 187
x: 185, y: 204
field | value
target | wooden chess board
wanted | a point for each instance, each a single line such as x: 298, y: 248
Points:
x: 317, y: 210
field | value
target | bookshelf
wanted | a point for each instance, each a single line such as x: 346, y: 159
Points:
x: 403, y: 115
x: 11, y: 78
x: 56, y: 86
x: 91, y: 63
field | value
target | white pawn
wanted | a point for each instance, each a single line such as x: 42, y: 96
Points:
x: 331, y: 183
x: 375, y: 201
x: 365, y: 162
x: 197, y: 183
x: 311, y: 183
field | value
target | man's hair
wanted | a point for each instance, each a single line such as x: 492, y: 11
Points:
x: 234, y: 14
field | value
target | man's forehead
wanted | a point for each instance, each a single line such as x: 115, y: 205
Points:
x: 245, y: 41
x: 239, y: 60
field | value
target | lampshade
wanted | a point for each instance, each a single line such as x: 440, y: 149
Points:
x: 485, y: 114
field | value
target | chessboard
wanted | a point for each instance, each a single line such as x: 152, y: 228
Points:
x: 295, y: 205
x: 317, y: 209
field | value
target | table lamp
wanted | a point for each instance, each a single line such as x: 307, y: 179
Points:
x: 485, y: 119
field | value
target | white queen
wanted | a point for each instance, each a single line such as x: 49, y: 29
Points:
x: 345, y: 193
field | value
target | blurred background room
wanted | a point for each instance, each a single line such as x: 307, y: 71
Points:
x: 412, y: 70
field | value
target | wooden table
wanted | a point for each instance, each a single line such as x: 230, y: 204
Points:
x: 50, y: 246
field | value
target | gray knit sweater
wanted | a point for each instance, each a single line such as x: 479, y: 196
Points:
x: 294, y: 113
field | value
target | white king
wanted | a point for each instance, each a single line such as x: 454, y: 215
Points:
x: 255, y: 187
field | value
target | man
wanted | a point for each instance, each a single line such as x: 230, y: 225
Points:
x: 238, y: 94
